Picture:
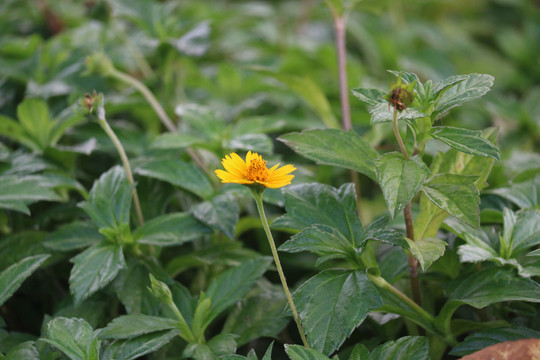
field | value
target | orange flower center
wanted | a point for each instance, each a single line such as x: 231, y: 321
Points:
x: 257, y: 171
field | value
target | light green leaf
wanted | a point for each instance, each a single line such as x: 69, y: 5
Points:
x: 24, y: 351
x: 381, y: 113
x: 525, y: 233
x: 176, y: 141
x: 177, y: 172
x: 472, y: 87
x: 400, y: 179
x: 332, y: 304
x: 14, y: 130
x: 12, y: 277
x: 74, y: 337
x: 298, y: 352
x: 526, y: 195
x: 94, y: 268
x: 133, y: 325
x: 134, y: 348
x: 18, y: 191
x: 371, y: 96
x: 221, y: 213
x: 259, y: 143
x: 467, y: 141
x: 170, y: 229
x: 455, y: 194
x: 234, y: 283
x: 334, y: 147
x: 427, y: 250
x: 405, y: 348
x: 33, y: 115
x: 109, y: 201
x: 73, y: 236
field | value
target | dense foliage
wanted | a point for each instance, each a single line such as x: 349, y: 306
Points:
x: 411, y: 229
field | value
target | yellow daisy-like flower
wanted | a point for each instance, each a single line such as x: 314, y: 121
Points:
x: 253, y: 170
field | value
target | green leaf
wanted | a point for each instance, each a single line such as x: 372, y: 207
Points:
x: 427, y: 250
x: 400, y: 179
x: 525, y: 232
x: 136, y: 347
x: 33, y: 115
x: 94, y: 268
x: 468, y: 141
x: 233, y: 284
x: 14, y: 130
x: 221, y: 213
x: 481, y: 339
x: 471, y: 87
x: 131, y: 286
x: 332, y: 304
x: 495, y: 285
x: 371, y: 96
x: 319, y: 204
x: 170, y: 229
x: 109, y: 200
x: 526, y: 195
x: 12, y: 277
x: 259, y: 143
x: 177, y: 172
x: 359, y: 352
x: 405, y: 348
x: 26, y: 351
x: 455, y: 194
x: 133, y: 325
x: 18, y: 191
x: 73, y: 236
x: 381, y: 113
x: 380, y: 230
x: 74, y: 337
x: 298, y: 352
x: 334, y: 147
x: 175, y: 141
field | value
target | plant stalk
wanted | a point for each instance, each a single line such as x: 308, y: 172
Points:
x: 258, y: 200
x: 120, y: 149
x: 339, y: 24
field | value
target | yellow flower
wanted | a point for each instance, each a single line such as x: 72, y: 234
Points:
x: 253, y: 170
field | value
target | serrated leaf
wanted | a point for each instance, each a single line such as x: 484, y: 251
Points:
x: 133, y: 325
x: 73, y: 236
x: 495, y: 285
x: 298, y: 352
x: 455, y: 194
x: 94, y: 268
x: 109, y: 200
x: 381, y: 113
x: 170, y: 229
x: 468, y: 141
x: 371, y: 96
x: 319, y: 204
x: 12, y: 277
x: 400, y: 179
x: 74, y: 337
x: 332, y: 304
x: 179, y: 173
x: 18, y: 191
x: 136, y: 347
x: 221, y: 213
x: 234, y: 283
x: 427, y: 250
x: 405, y: 348
x: 334, y: 147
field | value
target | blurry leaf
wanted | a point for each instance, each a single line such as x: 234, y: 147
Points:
x: 175, y: 141
x: 482, y: 339
x: 332, y: 304
x: 94, y: 268
x: 359, y: 352
x: 17, y: 192
x: 26, y: 351
x: 427, y: 250
x: 371, y: 97
x: 526, y: 195
x: 472, y: 87
x: 221, y: 213
x: 404, y: 348
x: 109, y: 201
x: 299, y: 352
x: 525, y: 233
x: 495, y: 285
x: 467, y: 141
x: 310, y: 93
x: 129, y: 326
x: 12, y: 277
x: 400, y: 179
x: 334, y: 147
x: 33, y: 115
x: 233, y: 284
x: 259, y: 143
x: 170, y: 229
x: 131, y: 286
x: 318, y: 204
x: 455, y: 194
x: 14, y: 130
x: 202, y: 122
x: 196, y: 41
x: 74, y: 337
x: 136, y: 347
x: 179, y: 173
x: 73, y: 236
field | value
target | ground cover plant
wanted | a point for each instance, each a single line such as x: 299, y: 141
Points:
x: 304, y: 180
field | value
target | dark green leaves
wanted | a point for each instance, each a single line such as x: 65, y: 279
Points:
x: 220, y: 213
x: 400, y: 179
x: 129, y: 326
x: 467, y: 141
x: 332, y: 304
x: 170, y: 229
x: 74, y: 337
x: 298, y: 352
x: 334, y: 147
x: 405, y: 348
x: 12, y: 277
x: 17, y: 192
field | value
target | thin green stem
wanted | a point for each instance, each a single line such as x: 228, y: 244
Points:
x: 258, y: 200
x: 185, y: 331
x: 398, y: 135
x: 120, y: 149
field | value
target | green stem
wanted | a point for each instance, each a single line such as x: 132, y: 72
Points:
x: 185, y: 331
x: 120, y: 149
x: 398, y: 135
x: 258, y: 195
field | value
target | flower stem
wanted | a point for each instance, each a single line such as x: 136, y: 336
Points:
x: 339, y: 24
x: 120, y: 149
x: 398, y: 135
x: 257, y: 195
